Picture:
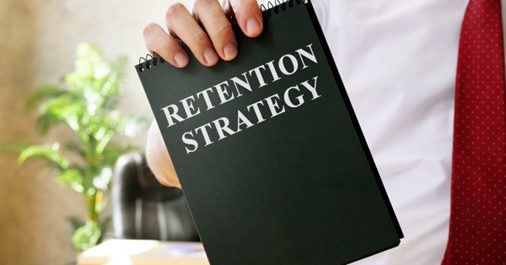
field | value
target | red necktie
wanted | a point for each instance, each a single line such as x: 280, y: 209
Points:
x: 478, y: 197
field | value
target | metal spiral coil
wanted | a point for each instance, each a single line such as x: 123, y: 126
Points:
x: 149, y: 61
x: 279, y: 5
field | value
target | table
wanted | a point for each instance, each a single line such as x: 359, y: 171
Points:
x: 143, y: 252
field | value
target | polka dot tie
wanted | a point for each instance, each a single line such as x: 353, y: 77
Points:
x: 478, y: 197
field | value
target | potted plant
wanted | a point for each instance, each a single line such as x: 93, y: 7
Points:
x: 85, y: 103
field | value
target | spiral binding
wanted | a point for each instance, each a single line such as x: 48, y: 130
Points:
x: 149, y: 61
x: 279, y: 5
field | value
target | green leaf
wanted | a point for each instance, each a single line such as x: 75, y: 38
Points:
x: 49, y: 153
x: 95, y: 78
x: 87, y: 236
x: 113, y: 151
x: 110, y: 85
x: 104, y: 141
x: 44, y: 123
x: 75, y: 147
x: 43, y: 93
x: 63, y: 108
x: 104, y: 129
x: 90, y: 62
x: 72, y: 178
x: 91, y: 69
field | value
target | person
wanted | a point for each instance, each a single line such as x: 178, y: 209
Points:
x: 398, y: 61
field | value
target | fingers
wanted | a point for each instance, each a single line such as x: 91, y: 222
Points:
x: 218, y: 27
x: 209, y: 42
x: 184, y: 25
x: 165, y: 45
x: 248, y: 16
x: 227, y: 8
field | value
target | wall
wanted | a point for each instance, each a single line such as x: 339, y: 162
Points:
x: 37, y: 43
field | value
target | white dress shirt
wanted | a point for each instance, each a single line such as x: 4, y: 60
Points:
x: 398, y: 62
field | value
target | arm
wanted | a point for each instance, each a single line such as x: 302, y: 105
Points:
x: 209, y: 35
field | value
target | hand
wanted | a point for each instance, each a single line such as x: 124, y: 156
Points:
x: 208, y: 32
x: 213, y: 40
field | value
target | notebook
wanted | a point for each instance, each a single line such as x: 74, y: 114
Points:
x: 269, y: 152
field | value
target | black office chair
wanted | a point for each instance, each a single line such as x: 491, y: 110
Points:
x: 144, y: 209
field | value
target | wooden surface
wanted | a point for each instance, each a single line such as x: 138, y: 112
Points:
x: 144, y: 252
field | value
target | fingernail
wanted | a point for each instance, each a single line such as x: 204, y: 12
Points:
x: 252, y: 26
x: 181, y: 59
x: 210, y: 56
x: 230, y: 51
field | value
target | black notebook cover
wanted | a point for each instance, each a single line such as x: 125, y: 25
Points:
x: 281, y: 174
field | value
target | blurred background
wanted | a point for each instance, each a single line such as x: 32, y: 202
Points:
x: 38, y: 43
